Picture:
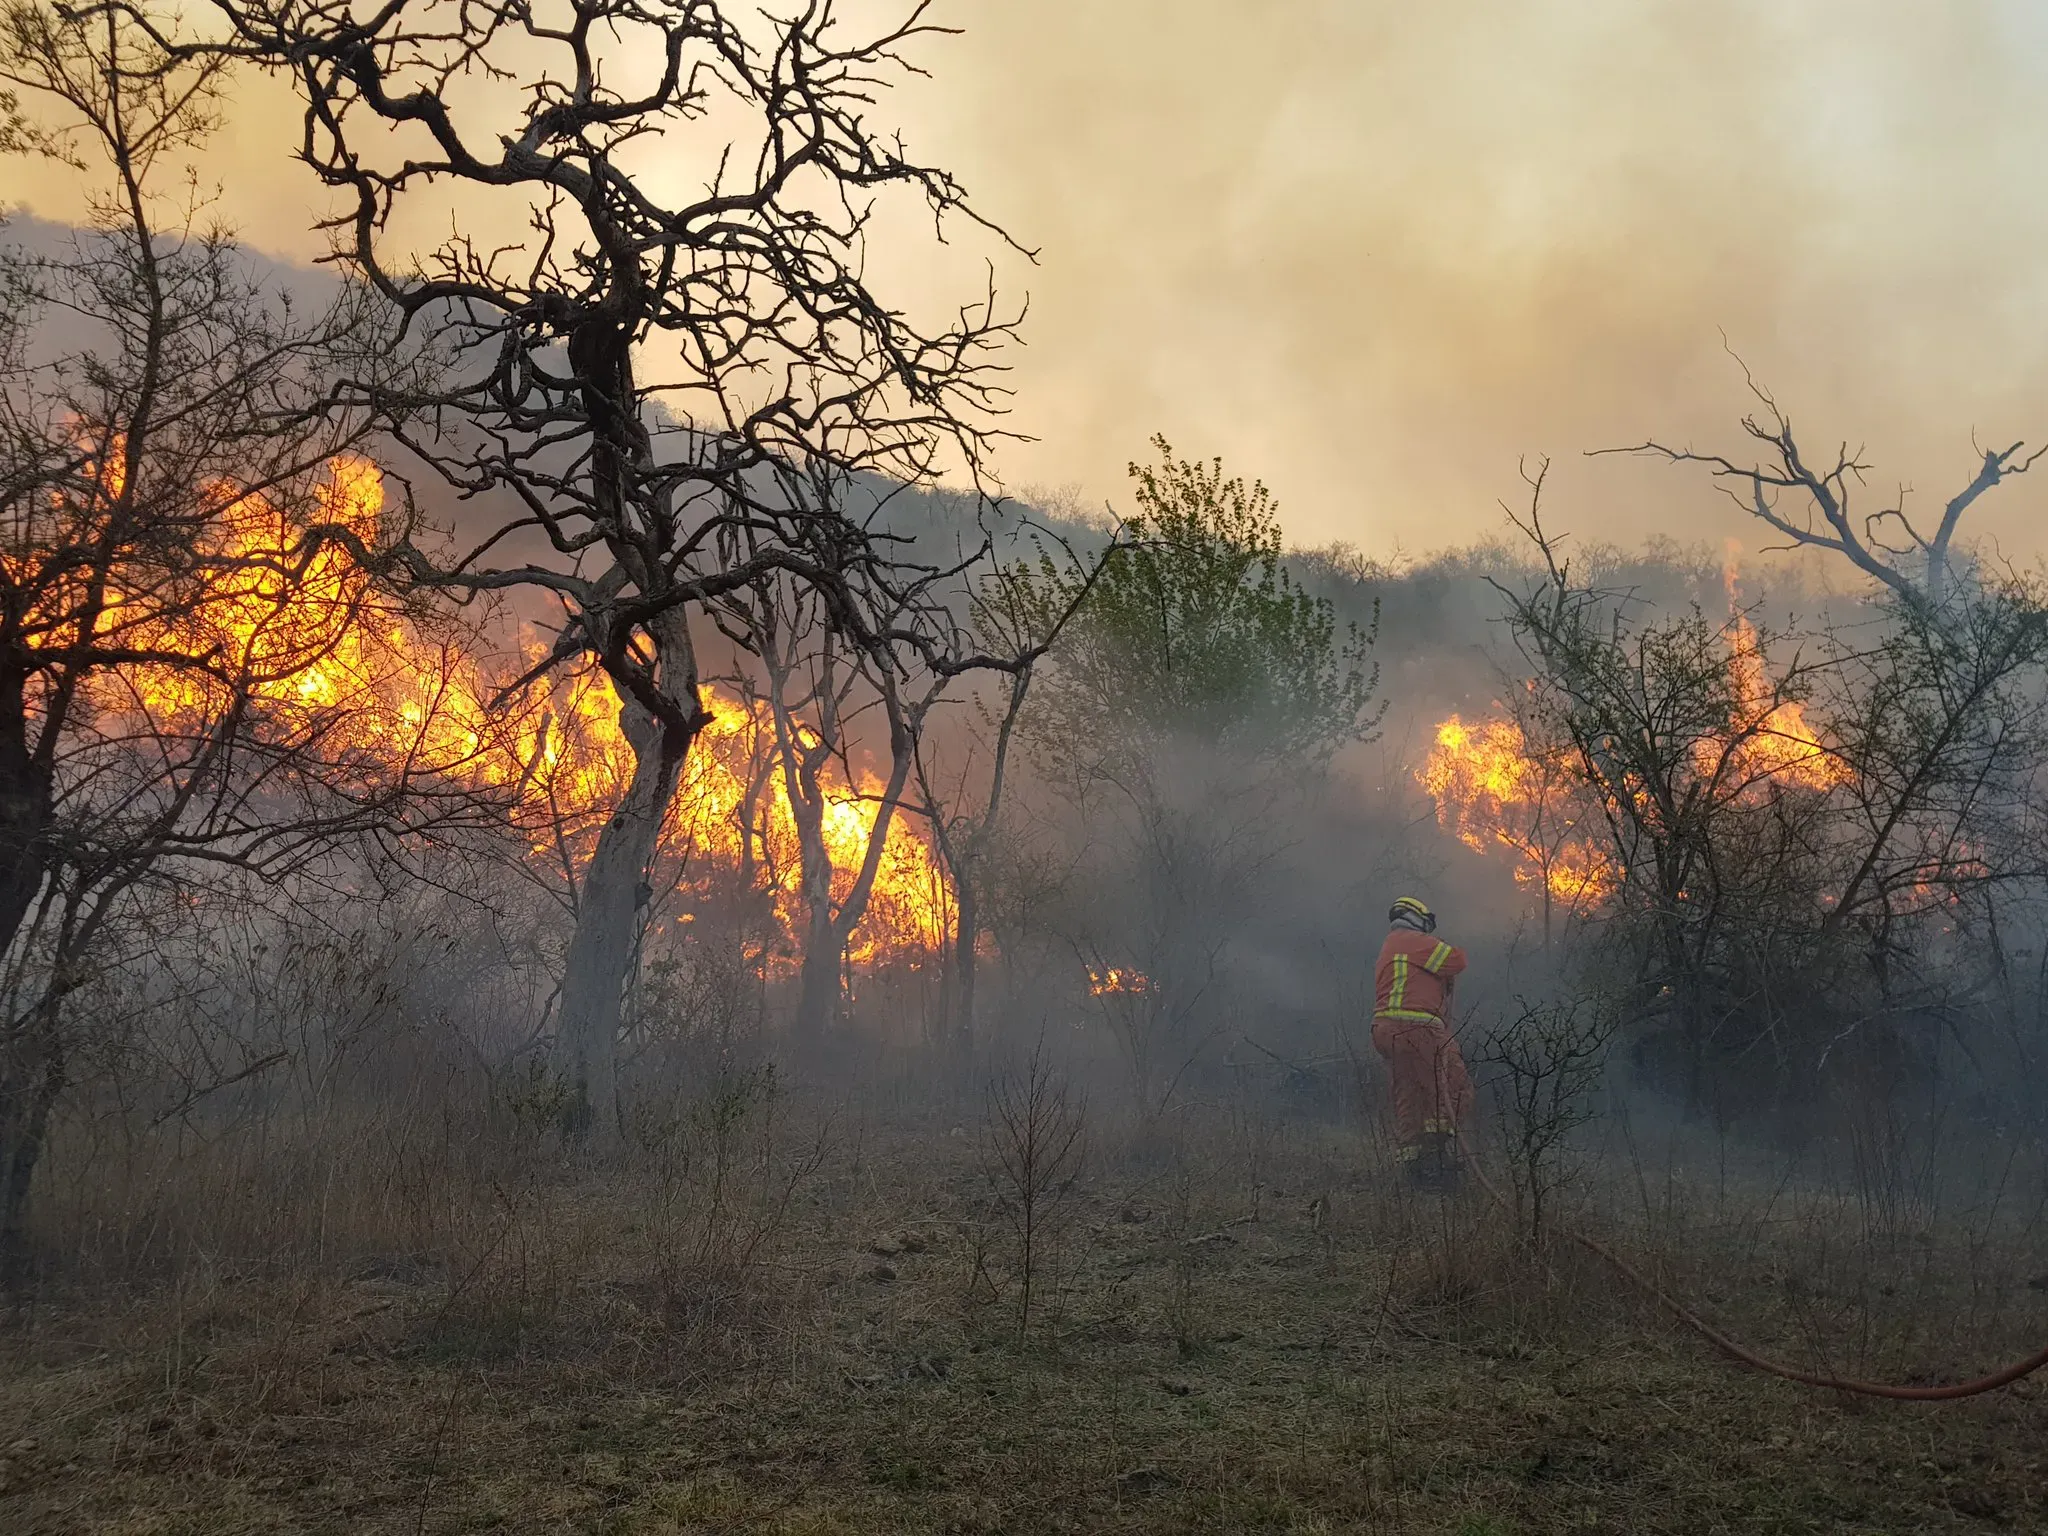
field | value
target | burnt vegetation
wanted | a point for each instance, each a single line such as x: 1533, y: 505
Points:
x: 597, y: 930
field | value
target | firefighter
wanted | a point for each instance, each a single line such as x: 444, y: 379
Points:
x: 1432, y: 1093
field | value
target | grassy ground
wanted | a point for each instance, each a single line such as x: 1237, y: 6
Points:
x: 1313, y: 1353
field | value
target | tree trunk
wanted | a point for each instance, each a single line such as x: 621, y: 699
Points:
x: 966, y: 929
x: 818, y: 998
x: 601, y: 957
x: 830, y: 930
x: 31, y: 1053
x: 25, y: 796
x: 31, y: 1073
x: 597, y: 968
x: 818, y: 995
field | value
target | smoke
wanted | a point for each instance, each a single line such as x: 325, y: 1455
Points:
x: 1377, y: 253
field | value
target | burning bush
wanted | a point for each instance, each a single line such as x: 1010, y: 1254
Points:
x: 1756, y: 859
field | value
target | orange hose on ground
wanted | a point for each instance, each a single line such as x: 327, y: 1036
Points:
x: 1757, y: 1362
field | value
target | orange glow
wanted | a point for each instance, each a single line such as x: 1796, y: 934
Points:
x: 1766, y: 741
x: 1492, y: 791
x: 1117, y: 981
x: 1476, y: 773
x: 320, y: 650
x: 315, y: 648
x: 732, y: 798
x: 1576, y: 873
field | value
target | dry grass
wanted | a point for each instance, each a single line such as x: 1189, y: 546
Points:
x: 569, y: 1351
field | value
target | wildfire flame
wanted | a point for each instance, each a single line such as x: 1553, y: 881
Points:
x: 1493, y: 789
x: 1766, y: 740
x: 734, y: 810
x: 318, y: 648
x: 1476, y: 773
x: 1117, y: 981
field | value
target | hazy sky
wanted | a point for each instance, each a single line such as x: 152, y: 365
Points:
x: 1375, y: 251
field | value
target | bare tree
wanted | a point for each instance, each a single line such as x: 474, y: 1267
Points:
x: 1012, y: 615
x: 644, y: 375
x: 828, y: 696
x: 1709, y: 831
x: 1941, y: 721
x: 816, y: 694
x: 1034, y: 1147
x: 1551, y: 1060
x: 1936, y: 718
x: 167, y: 454
x: 1812, y: 503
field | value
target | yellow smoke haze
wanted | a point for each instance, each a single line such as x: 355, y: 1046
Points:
x: 1376, y: 252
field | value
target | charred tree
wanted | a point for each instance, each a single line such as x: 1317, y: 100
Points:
x: 632, y: 382
x: 167, y: 459
x: 1019, y: 610
x: 839, y: 692
x: 1811, y: 503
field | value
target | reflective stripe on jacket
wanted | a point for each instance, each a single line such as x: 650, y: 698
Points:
x: 1414, y: 979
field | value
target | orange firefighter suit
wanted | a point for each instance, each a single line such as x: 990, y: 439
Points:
x: 1432, y: 1092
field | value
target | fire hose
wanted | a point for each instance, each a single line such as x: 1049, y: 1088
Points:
x: 1756, y: 1362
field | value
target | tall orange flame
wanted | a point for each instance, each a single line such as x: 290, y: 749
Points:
x: 1492, y: 789
x: 318, y: 648
x: 1766, y: 740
